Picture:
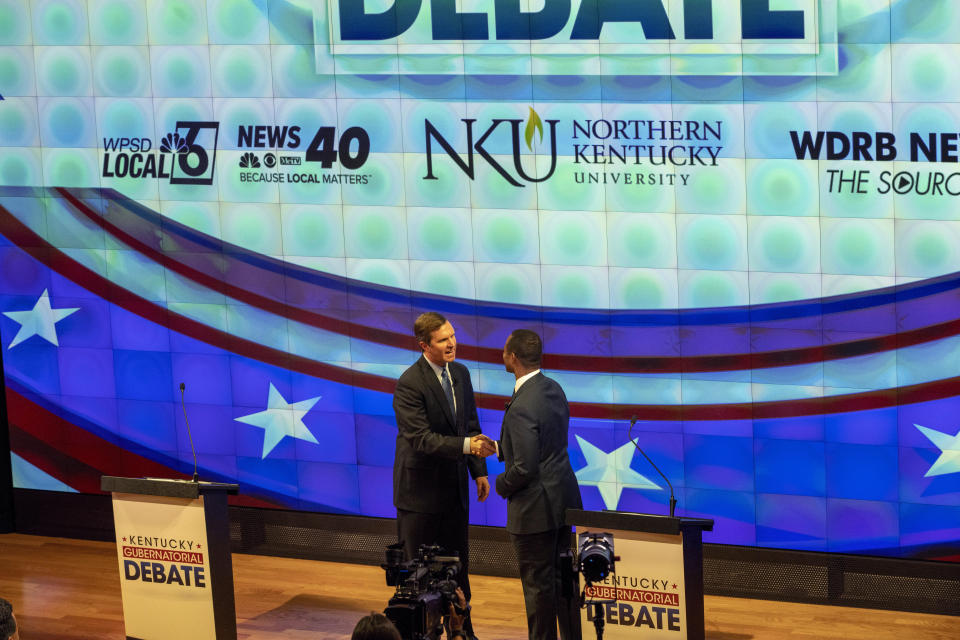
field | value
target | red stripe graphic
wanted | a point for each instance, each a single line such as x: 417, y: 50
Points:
x: 36, y: 435
x: 559, y: 362
x: 55, y: 259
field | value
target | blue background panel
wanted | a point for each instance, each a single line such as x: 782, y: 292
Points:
x: 788, y: 347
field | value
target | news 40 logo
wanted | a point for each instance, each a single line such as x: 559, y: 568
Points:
x: 186, y: 155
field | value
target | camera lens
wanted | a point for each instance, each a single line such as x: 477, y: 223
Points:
x: 595, y: 566
x: 395, y: 555
x: 596, y: 558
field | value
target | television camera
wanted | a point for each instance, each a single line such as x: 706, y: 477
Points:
x: 426, y: 587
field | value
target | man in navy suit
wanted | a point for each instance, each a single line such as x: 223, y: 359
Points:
x: 438, y: 441
x: 539, y: 485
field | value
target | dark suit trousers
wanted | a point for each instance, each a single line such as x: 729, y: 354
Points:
x: 538, y: 558
x: 448, y: 530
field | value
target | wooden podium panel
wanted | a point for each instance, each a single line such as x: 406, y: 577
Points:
x: 657, y: 590
x: 173, y: 549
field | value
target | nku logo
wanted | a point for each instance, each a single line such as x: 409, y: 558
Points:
x: 533, y: 127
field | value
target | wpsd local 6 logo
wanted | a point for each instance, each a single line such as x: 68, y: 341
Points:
x: 187, y: 155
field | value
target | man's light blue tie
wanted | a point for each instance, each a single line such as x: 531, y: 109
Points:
x: 447, y: 390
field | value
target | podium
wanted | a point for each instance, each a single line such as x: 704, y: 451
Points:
x: 173, y: 548
x: 657, y: 590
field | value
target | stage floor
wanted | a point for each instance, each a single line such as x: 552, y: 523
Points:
x: 70, y: 589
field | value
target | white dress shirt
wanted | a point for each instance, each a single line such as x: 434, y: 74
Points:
x: 524, y: 378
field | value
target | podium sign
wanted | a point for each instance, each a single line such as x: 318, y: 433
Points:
x: 657, y: 590
x: 648, y: 588
x: 173, y: 550
x: 164, y: 567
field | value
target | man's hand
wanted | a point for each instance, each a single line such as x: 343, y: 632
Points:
x: 455, y: 620
x: 481, y: 445
x: 483, y: 488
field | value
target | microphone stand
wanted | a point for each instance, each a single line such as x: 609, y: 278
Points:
x: 193, y: 450
x: 598, y: 617
x: 673, y: 499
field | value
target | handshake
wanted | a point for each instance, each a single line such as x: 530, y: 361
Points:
x: 481, y: 445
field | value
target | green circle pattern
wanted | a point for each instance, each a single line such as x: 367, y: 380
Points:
x: 12, y: 76
x: 240, y: 71
x: 12, y: 23
x: 439, y: 281
x: 62, y: 74
x: 67, y: 123
x: 711, y: 290
x: 855, y: 250
x: 780, y: 291
x: 178, y: 22
x: 118, y: 73
x: 201, y: 217
x: 14, y: 171
x: 68, y: 168
x: 641, y: 291
x: 13, y: 125
x: 573, y: 290
x: 709, y: 191
x: 379, y: 273
x: 930, y: 252
x: 249, y: 227
x: 311, y: 233
x: 438, y: 237
x: 374, y: 235
x: 639, y: 242
x: 124, y: 118
x: 237, y: 19
x: 502, y: 239
x: 783, y: 246
x: 710, y: 243
x: 927, y: 76
x: 179, y: 75
x: 571, y: 239
x: 59, y: 24
x: 116, y: 22
x: 778, y: 187
x: 509, y: 289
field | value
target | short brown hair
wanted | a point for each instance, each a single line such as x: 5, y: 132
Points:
x: 527, y: 346
x: 375, y: 626
x: 8, y: 625
x: 426, y: 324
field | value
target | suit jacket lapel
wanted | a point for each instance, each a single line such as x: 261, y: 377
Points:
x: 430, y: 377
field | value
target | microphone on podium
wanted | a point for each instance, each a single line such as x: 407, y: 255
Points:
x: 193, y: 450
x: 673, y: 499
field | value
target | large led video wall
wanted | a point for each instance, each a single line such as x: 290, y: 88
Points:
x: 737, y: 221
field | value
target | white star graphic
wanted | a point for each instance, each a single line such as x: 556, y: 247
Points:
x: 281, y: 419
x: 949, y: 460
x: 39, y: 321
x: 610, y: 472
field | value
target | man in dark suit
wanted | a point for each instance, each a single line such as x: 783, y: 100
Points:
x: 539, y: 485
x: 438, y: 440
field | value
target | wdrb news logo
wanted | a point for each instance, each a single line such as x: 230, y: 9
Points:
x: 187, y: 155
